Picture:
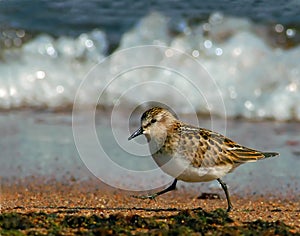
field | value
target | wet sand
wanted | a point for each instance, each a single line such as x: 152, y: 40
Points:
x: 90, y: 207
x: 42, y: 144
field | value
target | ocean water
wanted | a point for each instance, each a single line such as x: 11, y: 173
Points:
x: 241, y: 62
x: 209, y: 62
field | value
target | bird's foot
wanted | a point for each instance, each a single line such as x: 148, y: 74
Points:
x: 151, y: 197
x: 229, y: 208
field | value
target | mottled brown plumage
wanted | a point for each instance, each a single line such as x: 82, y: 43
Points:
x: 190, y: 153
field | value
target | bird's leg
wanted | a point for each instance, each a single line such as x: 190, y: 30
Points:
x: 224, y: 187
x: 153, y: 196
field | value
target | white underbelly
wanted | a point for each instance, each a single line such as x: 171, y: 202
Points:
x: 181, y: 169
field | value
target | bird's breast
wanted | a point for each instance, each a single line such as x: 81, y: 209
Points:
x: 182, y: 169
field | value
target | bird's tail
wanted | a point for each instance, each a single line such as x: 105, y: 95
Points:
x: 270, y: 154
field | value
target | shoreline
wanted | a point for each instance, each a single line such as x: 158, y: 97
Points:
x: 47, y: 189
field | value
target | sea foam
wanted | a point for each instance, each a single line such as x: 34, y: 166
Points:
x: 252, y: 78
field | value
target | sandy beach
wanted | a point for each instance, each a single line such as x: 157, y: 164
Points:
x: 91, y: 208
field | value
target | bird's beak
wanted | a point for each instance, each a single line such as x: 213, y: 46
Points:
x: 136, y: 133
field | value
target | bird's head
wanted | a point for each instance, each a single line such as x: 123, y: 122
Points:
x: 154, y: 123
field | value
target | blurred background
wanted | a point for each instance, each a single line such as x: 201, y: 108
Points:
x: 250, y: 49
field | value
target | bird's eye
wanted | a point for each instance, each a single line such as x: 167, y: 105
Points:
x: 153, y: 121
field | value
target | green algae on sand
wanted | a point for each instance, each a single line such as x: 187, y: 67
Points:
x: 184, y: 222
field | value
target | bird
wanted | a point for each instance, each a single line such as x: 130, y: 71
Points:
x: 189, y: 153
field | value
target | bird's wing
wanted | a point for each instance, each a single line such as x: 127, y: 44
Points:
x: 214, y: 149
x: 240, y: 153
